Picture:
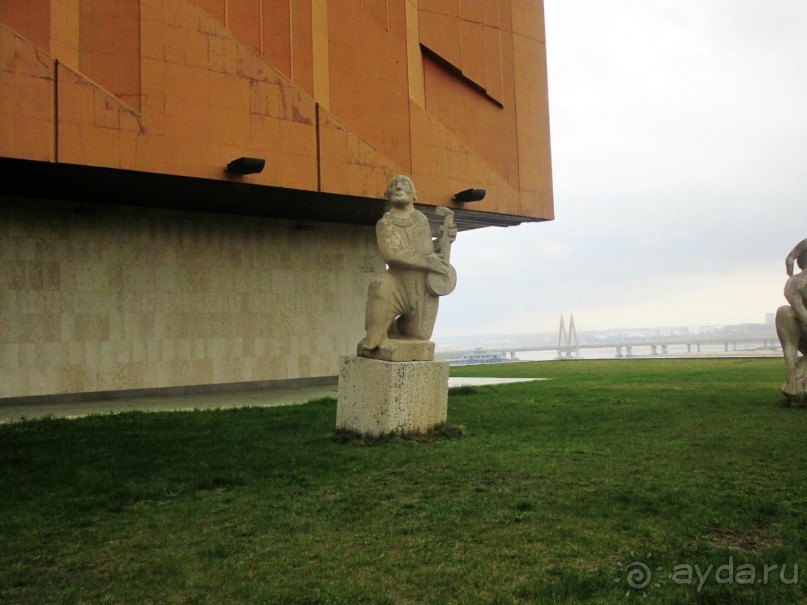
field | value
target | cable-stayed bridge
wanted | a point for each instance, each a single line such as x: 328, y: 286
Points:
x: 568, y: 346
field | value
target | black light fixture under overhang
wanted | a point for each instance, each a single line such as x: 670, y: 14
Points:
x: 246, y: 165
x: 469, y: 195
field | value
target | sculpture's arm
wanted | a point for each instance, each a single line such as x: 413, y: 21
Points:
x: 397, y: 255
x: 795, y: 289
x: 794, y: 254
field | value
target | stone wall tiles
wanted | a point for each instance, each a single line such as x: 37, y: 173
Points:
x: 120, y: 298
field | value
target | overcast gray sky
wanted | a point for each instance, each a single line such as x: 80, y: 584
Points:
x: 679, y: 143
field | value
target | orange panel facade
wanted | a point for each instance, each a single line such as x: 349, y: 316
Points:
x: 336, y: 96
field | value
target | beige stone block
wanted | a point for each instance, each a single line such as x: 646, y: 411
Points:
x: 168, y: 352
x: 14, y: 383
x: 10, y: 356
x: 108, y: 355
x: 139, y: 351
x: 153, y: 351
x: 13, y: 277
x: 293, y: 366
x: 182, y: 349
x: 27, y: 355
x: 76, y: 353
x: 197, y: 349
x: 123, y: 353
x: 53, y: 354
x: 401, y: 350
x: 77, y: 379
x: 380, y: 397
x: 23, y: 248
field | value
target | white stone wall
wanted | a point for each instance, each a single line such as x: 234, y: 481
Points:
x: 100, y: 298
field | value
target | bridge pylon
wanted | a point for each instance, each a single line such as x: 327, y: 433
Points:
x: 568, y: 344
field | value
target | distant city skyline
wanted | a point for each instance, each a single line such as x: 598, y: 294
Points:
x: 678, y: 139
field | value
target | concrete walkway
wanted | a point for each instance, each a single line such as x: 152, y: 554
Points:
x: 478, y: 381
x: 197, y: 401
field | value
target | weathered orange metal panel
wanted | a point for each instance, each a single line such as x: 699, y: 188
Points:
x: 336, y: 96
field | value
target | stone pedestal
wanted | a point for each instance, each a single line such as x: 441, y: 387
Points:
x: 379, y: 397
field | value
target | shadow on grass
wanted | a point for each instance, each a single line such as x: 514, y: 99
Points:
x: 442, y: 432
x: 465, y: 389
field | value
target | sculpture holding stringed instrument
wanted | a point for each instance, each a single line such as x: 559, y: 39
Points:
x: 402, y: 302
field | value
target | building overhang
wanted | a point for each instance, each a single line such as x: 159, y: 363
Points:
x: 88, y: 184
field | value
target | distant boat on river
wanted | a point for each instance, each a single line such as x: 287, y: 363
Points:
x: 480, y: 355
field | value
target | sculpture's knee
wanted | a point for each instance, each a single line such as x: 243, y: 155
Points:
x: 379, y: 287
x: 792, y: 334
x: 422, y: 324
x: 785, y: 315
x: 786, y: 321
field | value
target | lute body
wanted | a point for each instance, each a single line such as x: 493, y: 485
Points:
x: 436, y: 283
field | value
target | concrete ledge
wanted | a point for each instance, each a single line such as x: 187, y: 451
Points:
x: 229, y: 387
x: 379, y: 397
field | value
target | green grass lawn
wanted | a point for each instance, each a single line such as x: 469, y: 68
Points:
x: 557, y: 491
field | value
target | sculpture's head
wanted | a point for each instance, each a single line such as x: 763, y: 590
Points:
x: 401, y: 190
x: 801, y: 261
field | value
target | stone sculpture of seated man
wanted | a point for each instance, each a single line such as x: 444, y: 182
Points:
x: 791, y: 326
x: 401, y: 310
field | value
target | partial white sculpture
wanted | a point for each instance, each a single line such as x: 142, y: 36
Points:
x: 791, y: 326
x: 402, y: 302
